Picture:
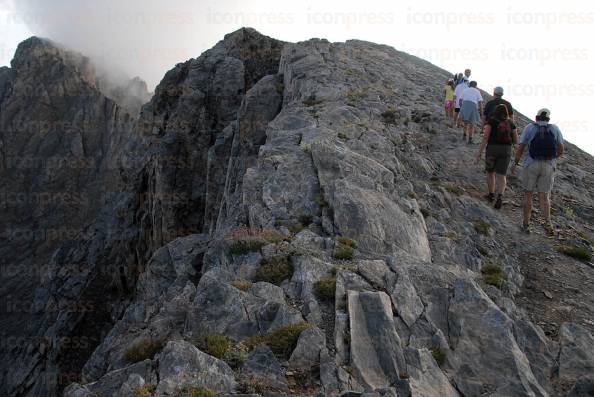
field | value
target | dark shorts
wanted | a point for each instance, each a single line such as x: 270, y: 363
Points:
x: 457, y: 110
x: 497, y: 158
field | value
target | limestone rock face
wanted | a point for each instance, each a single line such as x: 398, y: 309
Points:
x: 279, y: 219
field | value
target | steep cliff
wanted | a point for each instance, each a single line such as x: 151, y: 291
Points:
x: 305, y: 207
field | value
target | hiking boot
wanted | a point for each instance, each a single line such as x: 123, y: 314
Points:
x: 490, y: 196
x: 498, y: 203
x: 470, y: 141
x: 464, y: 137
x: 548, y: 227
x: 526, y: 228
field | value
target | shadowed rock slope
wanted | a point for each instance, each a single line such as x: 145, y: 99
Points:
x: 296, y: 219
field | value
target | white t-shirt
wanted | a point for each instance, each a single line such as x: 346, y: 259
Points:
x: 472, y: 94
x: 458, y: 93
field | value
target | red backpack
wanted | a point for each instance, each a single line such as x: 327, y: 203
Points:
x: 502, y: 132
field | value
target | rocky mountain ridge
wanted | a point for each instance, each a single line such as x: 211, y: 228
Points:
x: 305, y: 204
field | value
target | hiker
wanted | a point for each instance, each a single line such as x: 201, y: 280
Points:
x: 545, y: 146
x: 466, y: 77
x: 449, y: 99
x: 458, y: 100
x: 493, y: 103
x: 499, y: 134
x: 471, y: 109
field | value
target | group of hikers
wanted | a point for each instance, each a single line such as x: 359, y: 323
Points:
x: 538, y: 147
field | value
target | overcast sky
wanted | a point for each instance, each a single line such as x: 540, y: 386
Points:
x: 541, y: 52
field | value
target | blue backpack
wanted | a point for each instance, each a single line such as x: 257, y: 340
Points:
x: 544, y: 144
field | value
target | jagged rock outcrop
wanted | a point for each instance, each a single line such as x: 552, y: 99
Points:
x: 298, y: 206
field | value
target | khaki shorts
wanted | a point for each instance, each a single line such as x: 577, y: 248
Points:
x: 538, y: 177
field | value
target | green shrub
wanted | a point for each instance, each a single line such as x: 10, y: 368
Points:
x: 347, y: 241
x: 242, y: 285
x: 343, y: 252
x: 280, y: 88
x: 305, y: 220
x: 482, y: 227
x: 215, y: 344
x: 581, y: 253
x: 454, y: 189
x: 196, y: 391
x: 311, y: 101
x: 343, y: 136
x: 144, y: 349
x: 244, y: 240
x: 426, y: 213
x: 326, y: 288
x: 236, y: 355
x: 251, y: 385
x: 281, y: 341
x: 145, y: 391
x: 439, y: 354
x: 274, y: 269
x: 389, y: 115
x: 493, y: 275
x: 320, y: 200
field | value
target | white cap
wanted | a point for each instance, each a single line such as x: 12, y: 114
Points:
x: 544, y: 112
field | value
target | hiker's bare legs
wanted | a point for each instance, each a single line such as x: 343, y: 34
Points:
x: 545, y: 205
x: 527, y: 207
x: 501, y: 184
x: 491, y: 182
x: 470, y: 130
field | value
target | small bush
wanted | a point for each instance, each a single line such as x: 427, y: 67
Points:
x: 320, y: 200
x: 251, y: 385
x: 244, y: 240
x: 347, y: 241
x: 216, y: 345
x: 242, y: 285
x: 454, y: 189
x: 145, y: 391
x: 236, y: 356
x: 275, y: 269
x: 493, y: 275
x: 145, y: 349
x: 389, y: 115
x: 305, y: 220
x: 343, y: 252
x: 580, y: 253
x: 343, y: 136
x: 282, y: 340
x: 311, y: 101
x: 404, y: 375
x: 482, y: 227
x: 426, y: 213
x: 326, y: 288
x: 439, y: 354
x: 195, y: 391
x: 280, y: 88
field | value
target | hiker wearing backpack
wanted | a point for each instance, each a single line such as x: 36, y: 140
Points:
x: 449, y: 99
x: 471, y: 109
x: 493, y: 103
x: 545, y: 146
x: 499, y: 134
x: 462, y: 85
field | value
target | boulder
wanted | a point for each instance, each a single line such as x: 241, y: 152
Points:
x: 180, y: 363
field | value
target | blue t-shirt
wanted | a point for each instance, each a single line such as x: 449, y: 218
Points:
x: 529, y: 133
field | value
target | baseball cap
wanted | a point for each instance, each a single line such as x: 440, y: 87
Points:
x: 498, y: 90
x: 544, y: 112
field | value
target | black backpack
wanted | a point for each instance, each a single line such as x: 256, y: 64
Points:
x: 502, y: 132
x: 544, y: 144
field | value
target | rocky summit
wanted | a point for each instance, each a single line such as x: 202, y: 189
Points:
x: 279, y: 219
